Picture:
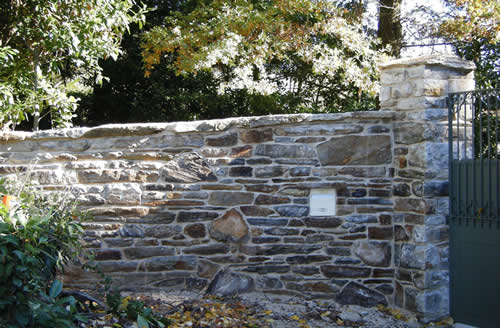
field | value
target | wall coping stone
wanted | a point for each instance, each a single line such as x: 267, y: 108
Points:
x: 217, y: 125
x: 449, y: 61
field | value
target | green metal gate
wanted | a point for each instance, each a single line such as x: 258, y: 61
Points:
x: 474, y: 219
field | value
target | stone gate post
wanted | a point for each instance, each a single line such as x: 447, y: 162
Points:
x: 416, y: 90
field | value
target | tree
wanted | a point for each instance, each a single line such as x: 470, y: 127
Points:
x: 49, y: 48
x: 389, y: 25
x: 309, y: 52
x: 474, y: 29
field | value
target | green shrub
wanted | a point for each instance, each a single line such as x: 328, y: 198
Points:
x: 37, y: 236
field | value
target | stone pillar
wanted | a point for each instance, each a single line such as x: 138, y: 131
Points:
x: 415, y: 89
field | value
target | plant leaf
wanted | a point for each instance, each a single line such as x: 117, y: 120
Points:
x: 56, y: 289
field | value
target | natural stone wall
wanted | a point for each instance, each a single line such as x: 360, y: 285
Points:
x: 416, y: 90
x: 224, y: 204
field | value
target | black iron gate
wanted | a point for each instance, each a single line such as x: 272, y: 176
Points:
x: 474, y: 219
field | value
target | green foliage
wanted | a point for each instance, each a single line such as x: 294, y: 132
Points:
x: 48, y: 48
x: 305, y: 54
x: 37, y: 236
x: 134, y: 310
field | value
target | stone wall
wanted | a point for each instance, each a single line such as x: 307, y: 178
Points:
x: 224, y: 204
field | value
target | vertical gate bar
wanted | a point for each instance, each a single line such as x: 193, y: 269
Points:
x: 457, y: 191
x: 474, y: 162
x: 450, y: 154
x: 465, y: 129
x: 458, y: 130
x: 490, y: 146
x: 481, y: 166
x: 497, y: 204
x: 480, y: 130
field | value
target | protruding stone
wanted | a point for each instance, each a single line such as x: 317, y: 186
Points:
x: 228, y: 283
x: 207, y: 269
x: 373, y: 253
x: 230, y: 227
x: 356, y: 150
x: 187, y: 168
x: 357, y: 294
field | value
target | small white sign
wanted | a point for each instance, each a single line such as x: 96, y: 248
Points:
x: 323, y: 202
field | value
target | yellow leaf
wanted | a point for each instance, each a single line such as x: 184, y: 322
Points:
x: 294, y: 317
x: 268, y: 312
x: 340, y: 322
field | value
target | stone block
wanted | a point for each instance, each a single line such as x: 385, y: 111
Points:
x: 373, y: 253
x: 256, y: 136
x: 241, y: 171
x: 268, y: 221
x: 144, y: 252
x: 195, y: 216
x: 123, y: 194
x: 356, y: 150
x: 323, y: 222
x: 230, y: 227
x: 292, y: 210
x: 256, y: 211
x: 229, y: 139
x: 207, y: 250
x: 267, y: 283
x: 267, y: 268
x: 222, y: 198
x: 385, y: 233
x: 361, y: 219
x: 314, y: 130
x: 269, y: 250
x: 285, y: 151
x: 271, y: 200
x: 168, y: 263
x: 196, y: 230
x: 228, y: 283
x: 282, y: 231
x: 207, y: 269
x: 339, y: 271
x: 270, y: 171
x: 357, y: 294
x: 187, y: 168
x: 107, y: 254
x: 243, y: 151
x: 419, y: 257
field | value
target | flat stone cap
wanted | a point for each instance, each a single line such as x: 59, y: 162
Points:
x: 217, y: 125
x: 448, y: 61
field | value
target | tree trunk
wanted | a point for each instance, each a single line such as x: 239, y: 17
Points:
x: 389, y: 25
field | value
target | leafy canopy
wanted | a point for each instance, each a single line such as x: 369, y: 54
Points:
x: 472, y: 20
x: 309, y: 49
x: 47, y: 47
